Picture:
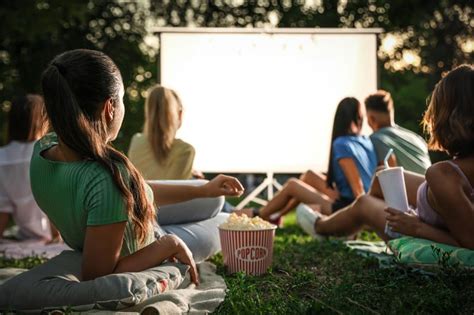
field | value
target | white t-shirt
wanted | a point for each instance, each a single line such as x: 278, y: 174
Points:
x: 16, y: 197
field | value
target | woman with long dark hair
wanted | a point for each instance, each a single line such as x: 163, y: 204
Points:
x: 91, y: 192
x: 27, y: 123
x: 352, y: 163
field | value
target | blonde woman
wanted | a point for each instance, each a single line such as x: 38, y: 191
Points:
x: 156, y: 153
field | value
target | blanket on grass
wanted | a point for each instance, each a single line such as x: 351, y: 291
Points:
x: 187, y: 299
x: 378, y: 250
x: 30, y: 248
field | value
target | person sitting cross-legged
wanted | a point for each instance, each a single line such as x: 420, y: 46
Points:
x: 93, y: 194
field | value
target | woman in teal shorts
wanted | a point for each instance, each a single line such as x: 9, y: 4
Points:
x: 90, y: 191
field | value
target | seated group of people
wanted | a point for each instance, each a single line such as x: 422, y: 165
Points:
x: 113, y: 209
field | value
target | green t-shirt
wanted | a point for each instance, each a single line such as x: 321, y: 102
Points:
x: 409, y: 148
x: 75, y: 195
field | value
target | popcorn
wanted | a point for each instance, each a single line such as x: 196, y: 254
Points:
x: 243, y: 223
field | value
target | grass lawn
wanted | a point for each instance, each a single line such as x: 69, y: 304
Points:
x: 311, y: 277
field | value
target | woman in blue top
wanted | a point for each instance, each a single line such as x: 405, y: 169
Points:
x: 352, y: 163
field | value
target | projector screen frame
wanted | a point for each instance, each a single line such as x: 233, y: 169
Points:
x: 241, y: 30
x: 270, y: 182
x: 231, y: 30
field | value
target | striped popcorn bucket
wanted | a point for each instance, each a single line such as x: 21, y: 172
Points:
x: 250, y: 251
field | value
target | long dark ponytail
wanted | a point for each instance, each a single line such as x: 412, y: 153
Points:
x: 347, y: 112
x: 75, y: 86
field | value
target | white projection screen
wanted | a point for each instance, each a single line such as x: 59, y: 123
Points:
x: 257, y: 101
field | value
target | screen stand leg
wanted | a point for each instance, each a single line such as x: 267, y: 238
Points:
x: 269, y: 183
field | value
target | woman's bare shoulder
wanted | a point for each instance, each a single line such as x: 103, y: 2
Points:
x: 443, y: 175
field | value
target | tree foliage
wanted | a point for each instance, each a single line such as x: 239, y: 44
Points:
x: 33, y: 32
x: 428, y: 38
x: 435, y: 30
x: 432, y: 33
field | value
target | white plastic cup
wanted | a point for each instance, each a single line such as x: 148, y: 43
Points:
x: 394, y: 192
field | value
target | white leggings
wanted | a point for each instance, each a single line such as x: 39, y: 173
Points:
x: 194, y: 221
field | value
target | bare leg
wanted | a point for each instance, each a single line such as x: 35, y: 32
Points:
x: 365, y: 211
x: 318, y: 182
x: 412, y: 182
x: 295, y: 188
